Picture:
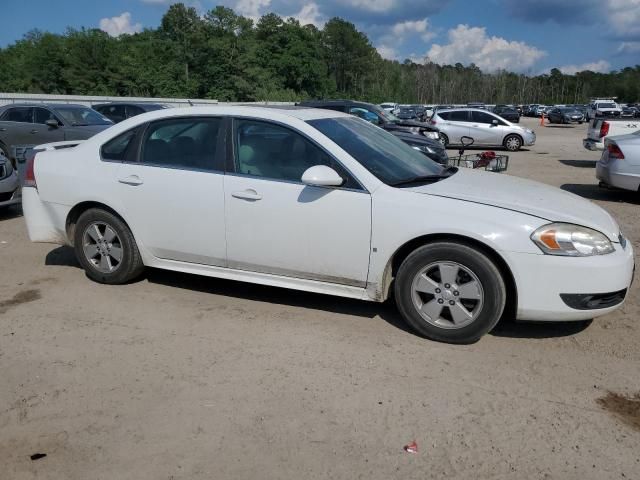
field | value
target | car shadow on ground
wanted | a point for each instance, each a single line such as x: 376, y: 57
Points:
x: 580, y: 163
x: 7, y: 213
x: 560, y: 125
x: 594, y: 192
x: 387, y: 311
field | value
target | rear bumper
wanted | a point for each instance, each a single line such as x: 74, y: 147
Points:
x: 45, y: 222
x: 616, y: 174
x: 592, y: 145
x: 543, y: 280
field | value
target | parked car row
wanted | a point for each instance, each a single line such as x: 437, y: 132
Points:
x: 318, y: 200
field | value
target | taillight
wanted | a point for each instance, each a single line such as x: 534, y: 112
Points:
x: 604, y: 129
x: 432, y: 122
x: 614, y: 151
x: 29, y: 175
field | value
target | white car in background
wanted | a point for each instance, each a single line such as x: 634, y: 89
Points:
x: 486, y: 129
x: 390, y: 107
x: 322, y: 201
x: 619, y: 165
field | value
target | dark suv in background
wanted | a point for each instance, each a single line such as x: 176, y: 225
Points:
x: 119, y: 111
x: 376, y: 115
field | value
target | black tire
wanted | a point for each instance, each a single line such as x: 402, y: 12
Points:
x: 129, y: 267
x: 511, y: 144
x: 444, y: 140
x: 470, y: 258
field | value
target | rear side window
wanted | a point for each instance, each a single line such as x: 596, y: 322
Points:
x: 444, y: 115
x: 482, y: 117
x: 18, y: 114
x: 133, y: 110
x: 188, y: 143
x: 459, y: 116
x: 121, y: 147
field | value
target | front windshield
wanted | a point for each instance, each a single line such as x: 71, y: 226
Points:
x: 380, y: 152
x: 80, y: 116
x: 388, y: 116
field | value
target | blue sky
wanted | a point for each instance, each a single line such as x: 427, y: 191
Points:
x: 528, y: 36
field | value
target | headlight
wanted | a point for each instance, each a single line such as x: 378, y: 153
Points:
x: 414, y: 130
x: 425, y: 149
x: 571, y: 240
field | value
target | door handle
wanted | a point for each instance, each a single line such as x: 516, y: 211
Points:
x: 248, y: 194
x: 131, y: 180
x: 34, y: 131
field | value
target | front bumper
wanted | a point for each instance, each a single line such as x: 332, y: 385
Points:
x: 529, y: 138
x: 592, y: 145
x: 10, y: 192
x: 542, y: 279
x: 615, y: 173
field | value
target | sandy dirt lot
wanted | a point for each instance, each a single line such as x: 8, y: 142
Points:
x: 182, y: 377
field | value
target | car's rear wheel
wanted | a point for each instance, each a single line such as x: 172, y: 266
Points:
x: 450, y: 292
x: 513, y: 143
x: 444, y: 140
x: 105, y: 248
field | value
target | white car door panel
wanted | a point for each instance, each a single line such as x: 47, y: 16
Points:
x: 483, y: 131
x: 174, y: 196
x: 276, y: 224
x: 291, y: 229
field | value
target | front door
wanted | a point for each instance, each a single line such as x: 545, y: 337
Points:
x: 173, y: 193
x: 278, y: 225
x: 482, y: 129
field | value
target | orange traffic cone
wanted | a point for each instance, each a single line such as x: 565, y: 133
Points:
x: 542, y: 119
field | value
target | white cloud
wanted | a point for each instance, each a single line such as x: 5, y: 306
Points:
x: 310, y: 14
x: 624, y: 17
x: 252, y: 8
x: 472, y: 45
x: 377, y: 6
x: 387, y: 52
x: 629, y: 47
x: 413, y: 27
x: 116, y: 26
x: 600, y: 66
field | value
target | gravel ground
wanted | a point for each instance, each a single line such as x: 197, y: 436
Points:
x: 183, y: 377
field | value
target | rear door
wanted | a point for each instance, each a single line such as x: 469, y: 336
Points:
x: 456, y: 125
x: 16, y: 127
x: 173, y: 192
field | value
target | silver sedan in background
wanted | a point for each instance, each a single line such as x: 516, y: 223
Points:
x: 619, y: 165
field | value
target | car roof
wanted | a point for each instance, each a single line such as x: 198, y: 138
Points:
x: 466, y: 109
x: 135, y: 104
x: 260, y: 111
x: 319, y: 103
x: 52, y: 106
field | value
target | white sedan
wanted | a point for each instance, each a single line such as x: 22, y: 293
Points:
x: 321, y: 201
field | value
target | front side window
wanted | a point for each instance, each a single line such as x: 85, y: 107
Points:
x: 133, y: 110
x: 483, y: 117
x: 272, y: 151
x: 42, y: 115
x: 189, y: 143
x: 383, y: 154
x: 19, y: 114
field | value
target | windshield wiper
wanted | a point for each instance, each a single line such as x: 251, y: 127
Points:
x: 446, y: 173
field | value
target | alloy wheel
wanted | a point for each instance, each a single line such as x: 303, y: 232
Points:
x: 447, y: 295
x: 102, y: 247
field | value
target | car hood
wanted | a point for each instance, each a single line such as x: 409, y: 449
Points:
x: 524, y: 196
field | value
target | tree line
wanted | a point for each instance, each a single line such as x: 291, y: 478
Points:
x: 228, y: 57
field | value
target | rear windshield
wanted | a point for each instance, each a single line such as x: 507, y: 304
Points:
x: 606, y: 105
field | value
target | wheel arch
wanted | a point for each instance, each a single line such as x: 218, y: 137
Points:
x: 79, y: 209
x: 407, y: 248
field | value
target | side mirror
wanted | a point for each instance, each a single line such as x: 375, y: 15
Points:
x: 322, y: 176
x: 52, y: 123
x: 494, y: 123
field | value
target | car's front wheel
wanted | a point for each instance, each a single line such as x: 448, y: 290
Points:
x: 105, y: 248
x: 513, y: 143
x: 450, y: 292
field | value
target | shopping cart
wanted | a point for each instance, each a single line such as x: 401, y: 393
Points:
x: 485, y: 160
